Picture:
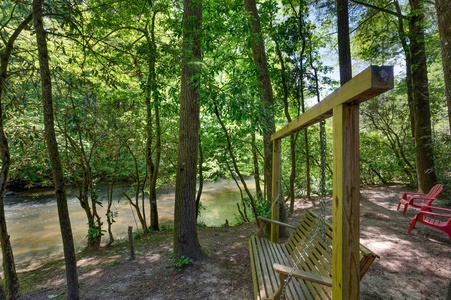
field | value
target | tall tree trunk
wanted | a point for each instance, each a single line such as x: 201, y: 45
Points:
x: 255, y: 162
x: 265, y: 88
x: 55, y: 161
x: 405, y: 46
x: 201, y: 178
x: 153, y: 165
x: 283, y: 76
x: 443, y: 9
x: 186, y: 242
x: 266, y: 94
x: 344, y: 46
x: 11, y: 282
x: 421, y: 107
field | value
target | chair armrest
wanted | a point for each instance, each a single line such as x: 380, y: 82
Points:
x: 429, y: 210
x: 283, y: 271
x: 423, y: 199
x: 411, y: 194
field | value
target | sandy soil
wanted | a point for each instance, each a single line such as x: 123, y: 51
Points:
x: 415, y: 266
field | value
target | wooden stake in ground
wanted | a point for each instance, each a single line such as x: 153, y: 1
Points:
x: 130, y: 239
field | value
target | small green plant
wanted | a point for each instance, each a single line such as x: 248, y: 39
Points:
x: 138, y: 234
x: 166, y: 227
x: 94, y: 232
x: 114, y: 263
x: 182, y: 262
x: 201, y: 224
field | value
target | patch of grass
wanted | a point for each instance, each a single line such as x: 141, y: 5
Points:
x: 167, y: 227
x: 201, y: 224
x: 31, y: 280
x: 114, y: 263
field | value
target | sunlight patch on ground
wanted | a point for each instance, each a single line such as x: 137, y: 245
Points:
x: 90, y: 273
x: 153, y: 257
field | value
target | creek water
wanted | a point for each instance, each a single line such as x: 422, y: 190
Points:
x: 33, y: 223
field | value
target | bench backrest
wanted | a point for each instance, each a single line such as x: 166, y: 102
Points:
x: 318, y: 257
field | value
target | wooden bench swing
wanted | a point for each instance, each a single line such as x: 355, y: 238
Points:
x: 305, y: 267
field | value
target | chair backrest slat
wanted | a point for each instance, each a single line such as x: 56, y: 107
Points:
x: 435, y: 191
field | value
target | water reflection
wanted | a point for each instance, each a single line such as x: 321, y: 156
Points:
x: 34, y: 226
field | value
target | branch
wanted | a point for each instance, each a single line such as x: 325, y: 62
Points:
x: 379, y: 8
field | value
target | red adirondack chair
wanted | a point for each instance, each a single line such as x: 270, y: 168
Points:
x: 419, y: 200
x: 435, y: 217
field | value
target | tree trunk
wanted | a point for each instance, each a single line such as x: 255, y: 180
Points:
x: 265, y: 89
x: 421, y: 109
x: 266, y: 94
x: 201, y: 178
x: 443, y: 9
x: 405, y: 46
x: 10, y: 282
x: 186, y: 242
x: 52, y: 148
x: 235, y: 165
x: 286, y: 95
x: 255, y: 162
x: 344, y: 48
x: 153, y: 165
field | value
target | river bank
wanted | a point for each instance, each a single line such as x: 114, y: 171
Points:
x: 33, y: 223
x: 411, y: 266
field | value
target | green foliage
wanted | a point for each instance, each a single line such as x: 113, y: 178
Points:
x: 138, y: 234
x: 166, y: 227
x: 201, y: 224
x: 263, y: 207
x: 182, y: 262
x: 114, y: 263
x: 94, y: 233
x: 386, y: 143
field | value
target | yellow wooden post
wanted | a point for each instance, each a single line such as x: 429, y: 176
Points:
x: 343, y: 104
x: 346, y: 200
x: 276, y: 177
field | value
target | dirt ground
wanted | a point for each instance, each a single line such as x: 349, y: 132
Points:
x: 415, y: 266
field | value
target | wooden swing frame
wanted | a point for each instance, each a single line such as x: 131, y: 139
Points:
x: 343, y: 105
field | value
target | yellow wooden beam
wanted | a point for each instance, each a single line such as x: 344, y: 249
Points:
x: 369, y: 83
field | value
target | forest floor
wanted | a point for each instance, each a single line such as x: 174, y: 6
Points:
x: 415, y: 266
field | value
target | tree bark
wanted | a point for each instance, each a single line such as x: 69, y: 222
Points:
x: 344, y: 48
x: 186, y: 242
x: 267, y: 99
x: 443, y: 9
x: 421, y: 107
x: 10, y: 283
x: 52, y: 148
x: 266, y: 94
x: 152, y: 165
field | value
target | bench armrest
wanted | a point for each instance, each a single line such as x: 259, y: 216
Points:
x: 276, y: 222
x: 283, y: 272
x: 265, y: 221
